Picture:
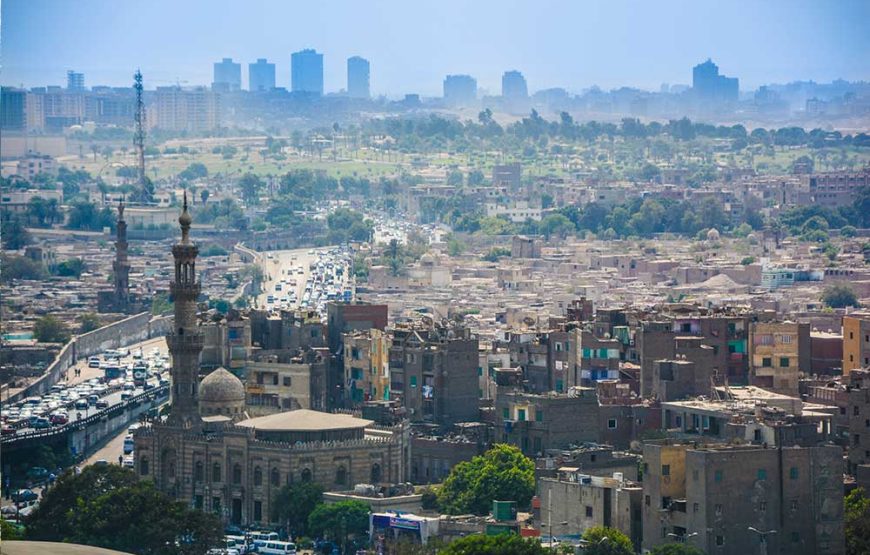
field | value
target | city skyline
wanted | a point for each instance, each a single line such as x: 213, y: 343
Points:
x: 800, y: 45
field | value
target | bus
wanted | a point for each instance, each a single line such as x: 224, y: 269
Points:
x: 140, y: 374
x: 113, y: 371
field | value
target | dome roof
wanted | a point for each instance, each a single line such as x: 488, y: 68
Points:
x: 427, y: 259
x: 221, y: 386
x: 713, y: 235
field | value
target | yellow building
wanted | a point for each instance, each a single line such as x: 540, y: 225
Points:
x: 367, y: 366
x: 779, y: 352
x: 856, y: 341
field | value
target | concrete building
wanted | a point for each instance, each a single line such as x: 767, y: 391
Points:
x: 574, y: 501
x: 460, y: 90
x: 34, y: 164
x: 525, y: 247
x: 366, y: 366
x: 779, y: 352
x: 16, y: 202
x: 232, y: 465
x: 858, y: 414
x: 192, y: 110
x: 13, y: 109
x: 300, y: 383
x: 507, y: 175
x: 711, y: 87
x: 537, y: 422
x: 306, y: 72
x: 227, y: 76
x: 433, y: 372
x: 714, y: 496
x: 358, y: 77
x: 838, y: 189
x: 75, y: 81
x: 513, y: 85
x: 856, y: 341
x: 261, y: 76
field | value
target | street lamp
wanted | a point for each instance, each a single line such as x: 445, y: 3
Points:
x: 681, y: 538
x: 762, y: 536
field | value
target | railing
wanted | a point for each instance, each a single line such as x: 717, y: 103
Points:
x: 157, y: 392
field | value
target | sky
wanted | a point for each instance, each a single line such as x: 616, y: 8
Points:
x: 413, y: 44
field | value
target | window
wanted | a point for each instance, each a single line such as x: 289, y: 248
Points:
x: 856, y: 439
x: 646, y: 500
x: 793, y: 473
x: 376, y: 473
x: 521, y: 415
x: 762, y: 474
x: 287, y: 381
x: 766, y: 362
x: 539, y: 415
x: 786, y: 339
x: 197, y: 502
x: 588, y: 511
x: 666, y: 502
x: 795, y: 537
x: 306, y: 475
x: 506, y: 413
x: 720, y: 541
x: 783, y: 362
x: 611, y: 423
x: 717, y: 475
x: 258, y: 476
x: 666, y: 470
x: 216, y: 505
x: 695, y: 507
x: 762, y: 506
x: 237, y: 473
x: 275, y: 477
x: 794, y: 504
x: 856, y: 410
x: 340, y: 476
x: 718, y: 509
x: 413, y: 381
x: 198, y: 472
x: 258, y: 511
x: 143, y: 466
x: 216, y: 472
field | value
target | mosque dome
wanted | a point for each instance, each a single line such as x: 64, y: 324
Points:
x: 221, y: 393
x: 713, y: 235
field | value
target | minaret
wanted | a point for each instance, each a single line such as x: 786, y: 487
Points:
x: 185, y: 340
x: 121, y: 265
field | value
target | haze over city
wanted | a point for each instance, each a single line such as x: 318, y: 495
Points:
x: 434, y: 278
x: 412, y: 45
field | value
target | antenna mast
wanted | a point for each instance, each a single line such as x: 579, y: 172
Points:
x: 139, y: 137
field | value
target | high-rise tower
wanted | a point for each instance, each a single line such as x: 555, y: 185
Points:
x: 185, y: 340
x: 121, y: 265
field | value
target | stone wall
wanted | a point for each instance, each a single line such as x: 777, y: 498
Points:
x: 134, y: 329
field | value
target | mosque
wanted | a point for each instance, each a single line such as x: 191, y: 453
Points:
x: 208, y: 452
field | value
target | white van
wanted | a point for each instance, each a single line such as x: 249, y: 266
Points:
x: 278, y: 548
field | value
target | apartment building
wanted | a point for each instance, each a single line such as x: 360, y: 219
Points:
x: 856, y: 341
x: 779, y: 352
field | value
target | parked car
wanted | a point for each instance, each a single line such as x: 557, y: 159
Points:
x: 24, y: 495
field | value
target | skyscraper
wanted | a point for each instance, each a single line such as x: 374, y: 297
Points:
x: 227, y: 76
x: 306, y: 72
x: 75, y: 81
x: 261, y: 76
x: 13, y: 108
x: 460, y: 90
x: 709, y: 86
x: 513, y: 85
x: 358, y: 77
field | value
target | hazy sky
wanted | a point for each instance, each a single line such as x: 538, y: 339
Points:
x: 412, y: 44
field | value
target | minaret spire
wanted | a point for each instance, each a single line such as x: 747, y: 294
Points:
x: 121, y: 265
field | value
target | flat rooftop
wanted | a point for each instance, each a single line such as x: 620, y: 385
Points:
x: 304, y: 420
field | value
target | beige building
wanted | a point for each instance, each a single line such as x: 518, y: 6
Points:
x: 779, y: 351
x: 367, y: 366
x: 856, y: 341
x: 274, y: 386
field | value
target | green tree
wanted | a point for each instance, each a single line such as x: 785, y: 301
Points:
x: 10, y: 532
x: 340, y: 521
x: 675, y: 549
x: 848, y: 231
x: 194, y: 171
x: 857, y: 522
x: 250, y: 186
x: 839, y: 296
x: 455, y: 178
x: 503, y: 473
x: 49, y: 329
x: 455, y: 247
x: 73, y: 267
x: 601, y: 540
x: 495, y: 253
x: 89, y: 322
x: 294, y: 503
x: 556, y: 224
x: 500, y: 544
x: 15, y: 235
x: 20, y: 267
x: 203, y: 195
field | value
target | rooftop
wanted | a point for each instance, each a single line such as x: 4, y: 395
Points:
x: 304, y: 420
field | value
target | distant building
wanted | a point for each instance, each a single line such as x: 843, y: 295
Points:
x: 13, y: 103
x: 779, y: 351
x: 709, y: 86
x: 191, y: 110
x: 261, y: 76
x: 306, y: 72
x: 838, y: 189
x: 358, y: 77
x: 227, y: 76
x: 460, y: 90
x: 507, y: 175
x: 513, y: 85
x: 34, y: 164
x: 75, y: 81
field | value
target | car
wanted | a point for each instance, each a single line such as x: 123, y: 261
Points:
x: 24, y: 495
x: 9, y: 430
x: 81, y: 404
x: 58, y: 418
x: 128, y: 462
x: 126, y: 395
x: 101, y: 462
x: 277, y: 548
x: 102, y: 404
x: 40, y: 423
x: 129, y: 445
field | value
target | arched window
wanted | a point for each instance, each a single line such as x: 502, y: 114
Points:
x: 376, y: 473
x: 306, y: 475
x: 216, y: 472
x: 340, y: 476
x: 276, y: 477
x: 258, y: 476
x: 143, y: 466
x: 171, y: 470
x: 198, y: 472
x: 237, y: 473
